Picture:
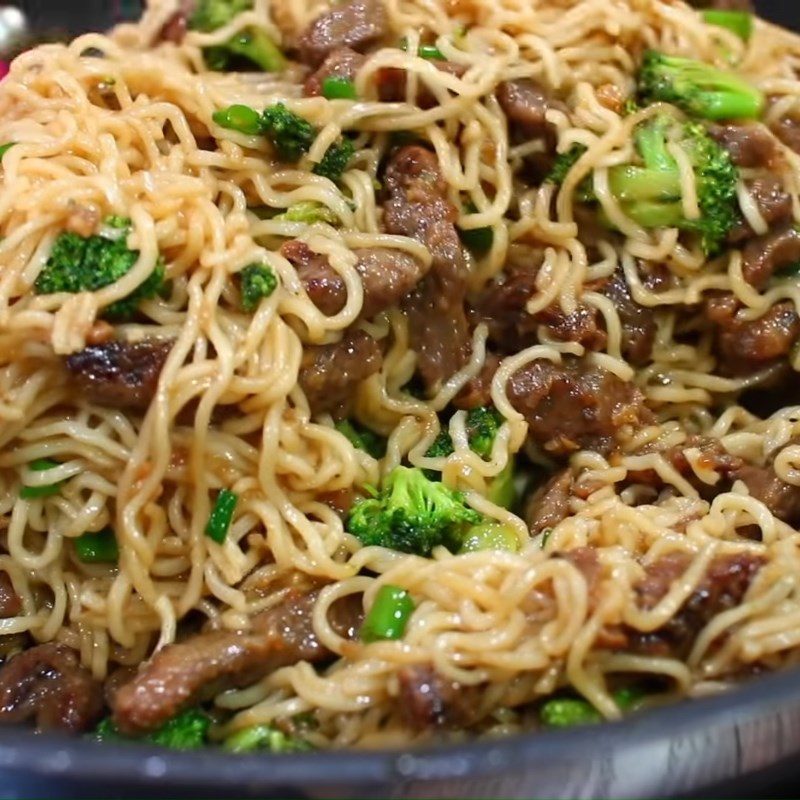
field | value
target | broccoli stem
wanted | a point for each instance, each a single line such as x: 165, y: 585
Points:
x: 389, y: 615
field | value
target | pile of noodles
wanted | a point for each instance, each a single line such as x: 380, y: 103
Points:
x: 131, y: 133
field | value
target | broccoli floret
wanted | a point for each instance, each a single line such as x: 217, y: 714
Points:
x: 256, y: 282
x: 265, y: 737
x: 411, y: 514
x: 482, y: 425
x: 290, y: 134
x: 309, y: 212
x: 186, y: 731
x: 362, y: 438
x: 564, y: 163
x: 251, y: 45
x: 335, y: 160
x: 86, y: 264
x: 698, y: 88
x: 650, y: 193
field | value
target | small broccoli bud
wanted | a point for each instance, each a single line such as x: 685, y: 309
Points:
x: 185, y: 731
x: 290, y: 134
x: 335, y: 160
x: 257, y: 281
x: 265, y: 737
x: 564, y: 163
x: 362, y: 438
x: 309, y: 212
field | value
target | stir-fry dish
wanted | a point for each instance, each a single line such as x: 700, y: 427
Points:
x: 391, y: 371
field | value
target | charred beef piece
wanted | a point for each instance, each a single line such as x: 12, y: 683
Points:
x: 774, y: 205
x: 427, y: 700
x: 749, y: 145
x: 549, y: 504
x: 417, y: 206
x: 386, y: 276
x: 341, y: 63
x: 120, y: 374
x: 764, y: 256
x: 48, y: 684
x: 330, y: 372
x: 176, y: 27
x: 575, y: 405
x: 639, y: 326
x: 763, y: 483
x: 787, y: 129
x: 525, y: 104
x: 357, y: 24
x: 206, y: 664
x: 477, y: 392
x: 723, y: 587
x: 10, y: 603
x: 393, y: 84
x: 743, y: 344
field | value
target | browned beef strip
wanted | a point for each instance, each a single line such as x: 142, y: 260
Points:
x: 787, y: 129
x: 575, y: 405
x: 744, y: 345
x: 477, y: 392
x: 329, y: 373
x: 357, y: 24
x: 723, y: 587
x: 525, y: 104
x: 393, y: 84
x: 428, y: 700
x: 502, y: 307
x: 206, y: 664
x: 749, y: 145
x: 177, y: 25
x: 341, y: 63
x: 774, y: 204
x: 782, y: 499
x: 638, y: 322
x: 549, y: 504
x: 48, y: 684
x: 386, y: 276
x: 417, y: 206
x: 120, y: 374
x: 767, y: 254
x: 10, y: 603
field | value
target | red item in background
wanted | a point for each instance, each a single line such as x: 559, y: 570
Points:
x: 4, y: 69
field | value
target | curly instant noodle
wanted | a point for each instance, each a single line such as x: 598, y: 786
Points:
x: 439, y: 271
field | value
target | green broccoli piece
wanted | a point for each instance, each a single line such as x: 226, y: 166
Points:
x: 185, y: 731
x: 698, y: 88
x: 411, y: 514
x: 335, y: 160
x: 362, y: 438
x: 290, y: 134
x: 256, y: 281
x: 482, y: 425
x: 442, y: 446
x: 738, y: 22
x: 265, y: 737
x: 650, y: 193
x: 251, y: 46
x: 565, y: 712
x: 564, y: 163
x: 86, y: 264
x: 309, y: 212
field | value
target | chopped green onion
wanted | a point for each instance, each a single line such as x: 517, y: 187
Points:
x: 490, y: 536
x: 738, y: 22
x: 97, y: 548
x: 33, y: 492
x: 220, y: 520
x: 389, y: 615
x: 239, y: 118
x: 427, y: 51
x: 254, y: 45
x: 4, y: 148
x: 546, y: 534
x: 564, y: 712
x: 334, y: 87
x: 265, y: 737
x: 478, y: 240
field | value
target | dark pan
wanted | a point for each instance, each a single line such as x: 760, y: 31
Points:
x: 741, y: 744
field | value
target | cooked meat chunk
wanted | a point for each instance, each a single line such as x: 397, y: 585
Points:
x: 549, y: 504
x: 782, y: 499
x: 774, y: 205
x: 177, y: 25
x: 503, y: 308
x: 478, y: 391
x: 417, y: 206
x: 393, y: 84
x: 723, y: 587
x: 749, y: 145
x: 329, y: 373
x: 356, y: 24
x: 206, y: 664
x: 585, y: 560
x: 341, y: 63
x: 10, y: 603
x: 48, y: 684
x: 575, y: 405
x: 638, y: 322
x: 744, y: 344
x: 525, y: 104
x: 386, y: 276
x: 787, y: 129
x: 427, y: 700
x: 764, y: 256
x: 120, y: 374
